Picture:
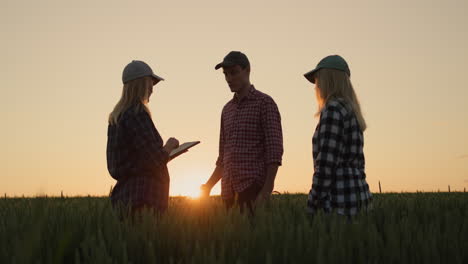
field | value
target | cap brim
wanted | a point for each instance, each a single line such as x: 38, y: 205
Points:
x: 310, y: 75
x: 157, y: 77
x: 224, y: 64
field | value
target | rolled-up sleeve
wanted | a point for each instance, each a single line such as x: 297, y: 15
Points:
x: 271, y: 123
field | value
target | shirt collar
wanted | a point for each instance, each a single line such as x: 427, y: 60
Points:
x: 248, y: 96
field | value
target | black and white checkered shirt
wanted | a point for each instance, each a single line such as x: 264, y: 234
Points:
x: 339, y: 181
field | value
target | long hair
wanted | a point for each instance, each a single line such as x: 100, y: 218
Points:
x: 134, y: 93
x: 333, y: 84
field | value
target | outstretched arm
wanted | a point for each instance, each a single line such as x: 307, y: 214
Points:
x: 218, y: 172
x: 215, y: 177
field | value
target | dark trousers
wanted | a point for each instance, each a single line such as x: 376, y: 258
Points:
x: 245, y: 198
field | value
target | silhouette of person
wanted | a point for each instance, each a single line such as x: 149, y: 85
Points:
x: 251, y: 140
x: 136, y: 157
x: 339, y: 179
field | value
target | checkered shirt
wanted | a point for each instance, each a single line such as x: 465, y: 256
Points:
x: 250, y: 139
x: 137, y: 160
x: 339, y: 181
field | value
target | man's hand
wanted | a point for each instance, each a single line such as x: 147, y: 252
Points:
x: 205, y: 191
x: 263, y: 196
x: 267, y: 189
x: 215, y: 177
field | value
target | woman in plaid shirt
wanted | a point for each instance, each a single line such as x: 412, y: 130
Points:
x: 136, y: 157
x: 339, y: 180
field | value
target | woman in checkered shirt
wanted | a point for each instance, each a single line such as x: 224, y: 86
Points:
x: 339, y: 180
x: 136, y: 157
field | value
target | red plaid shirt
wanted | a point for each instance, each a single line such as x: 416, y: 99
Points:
x: 137, y: 160
x: 251, y: 138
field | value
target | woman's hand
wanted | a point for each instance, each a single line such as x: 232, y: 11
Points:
x: 171, y: 144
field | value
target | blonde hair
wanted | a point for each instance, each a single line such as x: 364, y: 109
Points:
x: 333, y: 84
x: 134, y: 93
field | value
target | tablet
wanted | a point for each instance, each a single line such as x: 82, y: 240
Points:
x: 182, y: 149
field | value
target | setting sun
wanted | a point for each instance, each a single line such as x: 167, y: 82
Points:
x: 188, y: 185
x: 193, y: 192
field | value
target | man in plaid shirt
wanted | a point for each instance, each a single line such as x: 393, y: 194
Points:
x: 251, y: 140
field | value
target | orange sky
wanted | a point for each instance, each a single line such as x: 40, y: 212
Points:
x: 62, y: 63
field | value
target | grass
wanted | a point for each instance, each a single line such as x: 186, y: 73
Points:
x: 402, y: 228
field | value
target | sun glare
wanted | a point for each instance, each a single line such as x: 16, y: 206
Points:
x: 193, y: 194
x: 188, y: 184
x: 185, y: 186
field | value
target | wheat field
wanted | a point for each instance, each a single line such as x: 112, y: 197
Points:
x: 401, y: 228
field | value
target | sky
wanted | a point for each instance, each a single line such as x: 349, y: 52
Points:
x: 61, y: 76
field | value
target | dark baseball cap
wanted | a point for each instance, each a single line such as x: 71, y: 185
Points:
x: 137, y: 69
x: 330, y: 62
x: 234, y: 58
